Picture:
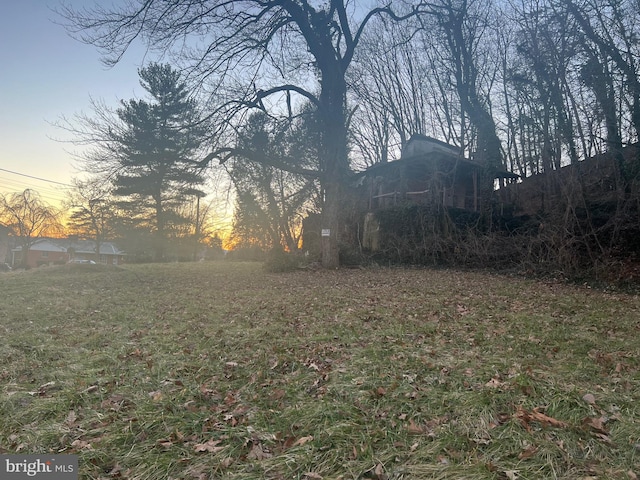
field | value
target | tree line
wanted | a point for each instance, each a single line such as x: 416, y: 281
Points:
x: 290, y: 98
x: 555, y: 81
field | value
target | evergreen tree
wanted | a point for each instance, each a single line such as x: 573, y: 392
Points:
x: 157, y: 149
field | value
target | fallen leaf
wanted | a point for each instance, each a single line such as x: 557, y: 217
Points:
x: 71, y: 418
x: 257, y: 453
x: 165, y: 443
x: 136, y: 353
x: 230, y: 398
x: 414, y: 428
x: 528, y: 452
x: 511, y: 474
x: 302, y: 441
x: 597, y: 424
x: 116, y: 471
x: 603, y: 437
x: 462, y: 310
x: 313, y: 475
x: 206, y: 391
x: 156, y: 396
x: 376, y: 473
x: 277, y: 394
x: 313, y: 366
x: 210, y: 446
x: 81, y: 445
x: 526, y: 417
x: 500, y: 419
x: 494, y: 383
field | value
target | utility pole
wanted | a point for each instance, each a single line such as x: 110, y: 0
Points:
x: 196, y: 238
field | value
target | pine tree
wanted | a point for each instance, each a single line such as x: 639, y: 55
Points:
x: 157, y: 152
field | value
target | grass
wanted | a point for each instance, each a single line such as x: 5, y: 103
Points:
x: 221, y: 370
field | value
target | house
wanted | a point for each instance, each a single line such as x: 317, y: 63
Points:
x: 56, y: 251
x: 429, y: 171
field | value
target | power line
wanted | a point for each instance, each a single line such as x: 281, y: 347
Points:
x: 18, y: 184
x: 36, y: 178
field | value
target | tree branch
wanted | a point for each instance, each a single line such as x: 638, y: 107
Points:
x: 261, y: 94
x: 227, y: 153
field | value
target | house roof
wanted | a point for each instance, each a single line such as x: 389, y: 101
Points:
x: 421, y: 144
x: 64, y: 245
x: 422, y: 152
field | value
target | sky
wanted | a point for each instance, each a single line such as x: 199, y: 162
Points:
x: 46, y: 75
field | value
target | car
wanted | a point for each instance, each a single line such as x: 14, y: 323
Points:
x: 82, y: 260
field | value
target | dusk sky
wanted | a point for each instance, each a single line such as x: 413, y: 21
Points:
x: 44, y: 75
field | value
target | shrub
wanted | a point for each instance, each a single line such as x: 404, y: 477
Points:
x: 278, y: 261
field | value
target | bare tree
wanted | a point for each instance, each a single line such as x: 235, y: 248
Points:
x: 388, y: 86
x: 465, y: 27
x: 29, y: 218
x: 93, y: 212
x: 546, y: 44
x: 401, y: 85
x: 271, y: 50
x: 612, y: 27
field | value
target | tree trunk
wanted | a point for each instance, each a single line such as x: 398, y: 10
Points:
x: 330, y: 227
x: 333, y: 148
x: 160, y: 227
x: 461, y: 35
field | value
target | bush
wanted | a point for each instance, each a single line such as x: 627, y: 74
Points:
x: 278, y: 261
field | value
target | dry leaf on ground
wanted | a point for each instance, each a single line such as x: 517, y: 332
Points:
x: 210, y: 446
x: 526, y: 417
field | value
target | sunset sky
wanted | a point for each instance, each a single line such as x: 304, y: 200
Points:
x: 45, y: 75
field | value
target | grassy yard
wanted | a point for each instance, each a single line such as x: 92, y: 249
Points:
x: 220, y: 370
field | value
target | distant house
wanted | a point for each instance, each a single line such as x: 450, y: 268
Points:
x: 429, y: 171
x: 55, y: 251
